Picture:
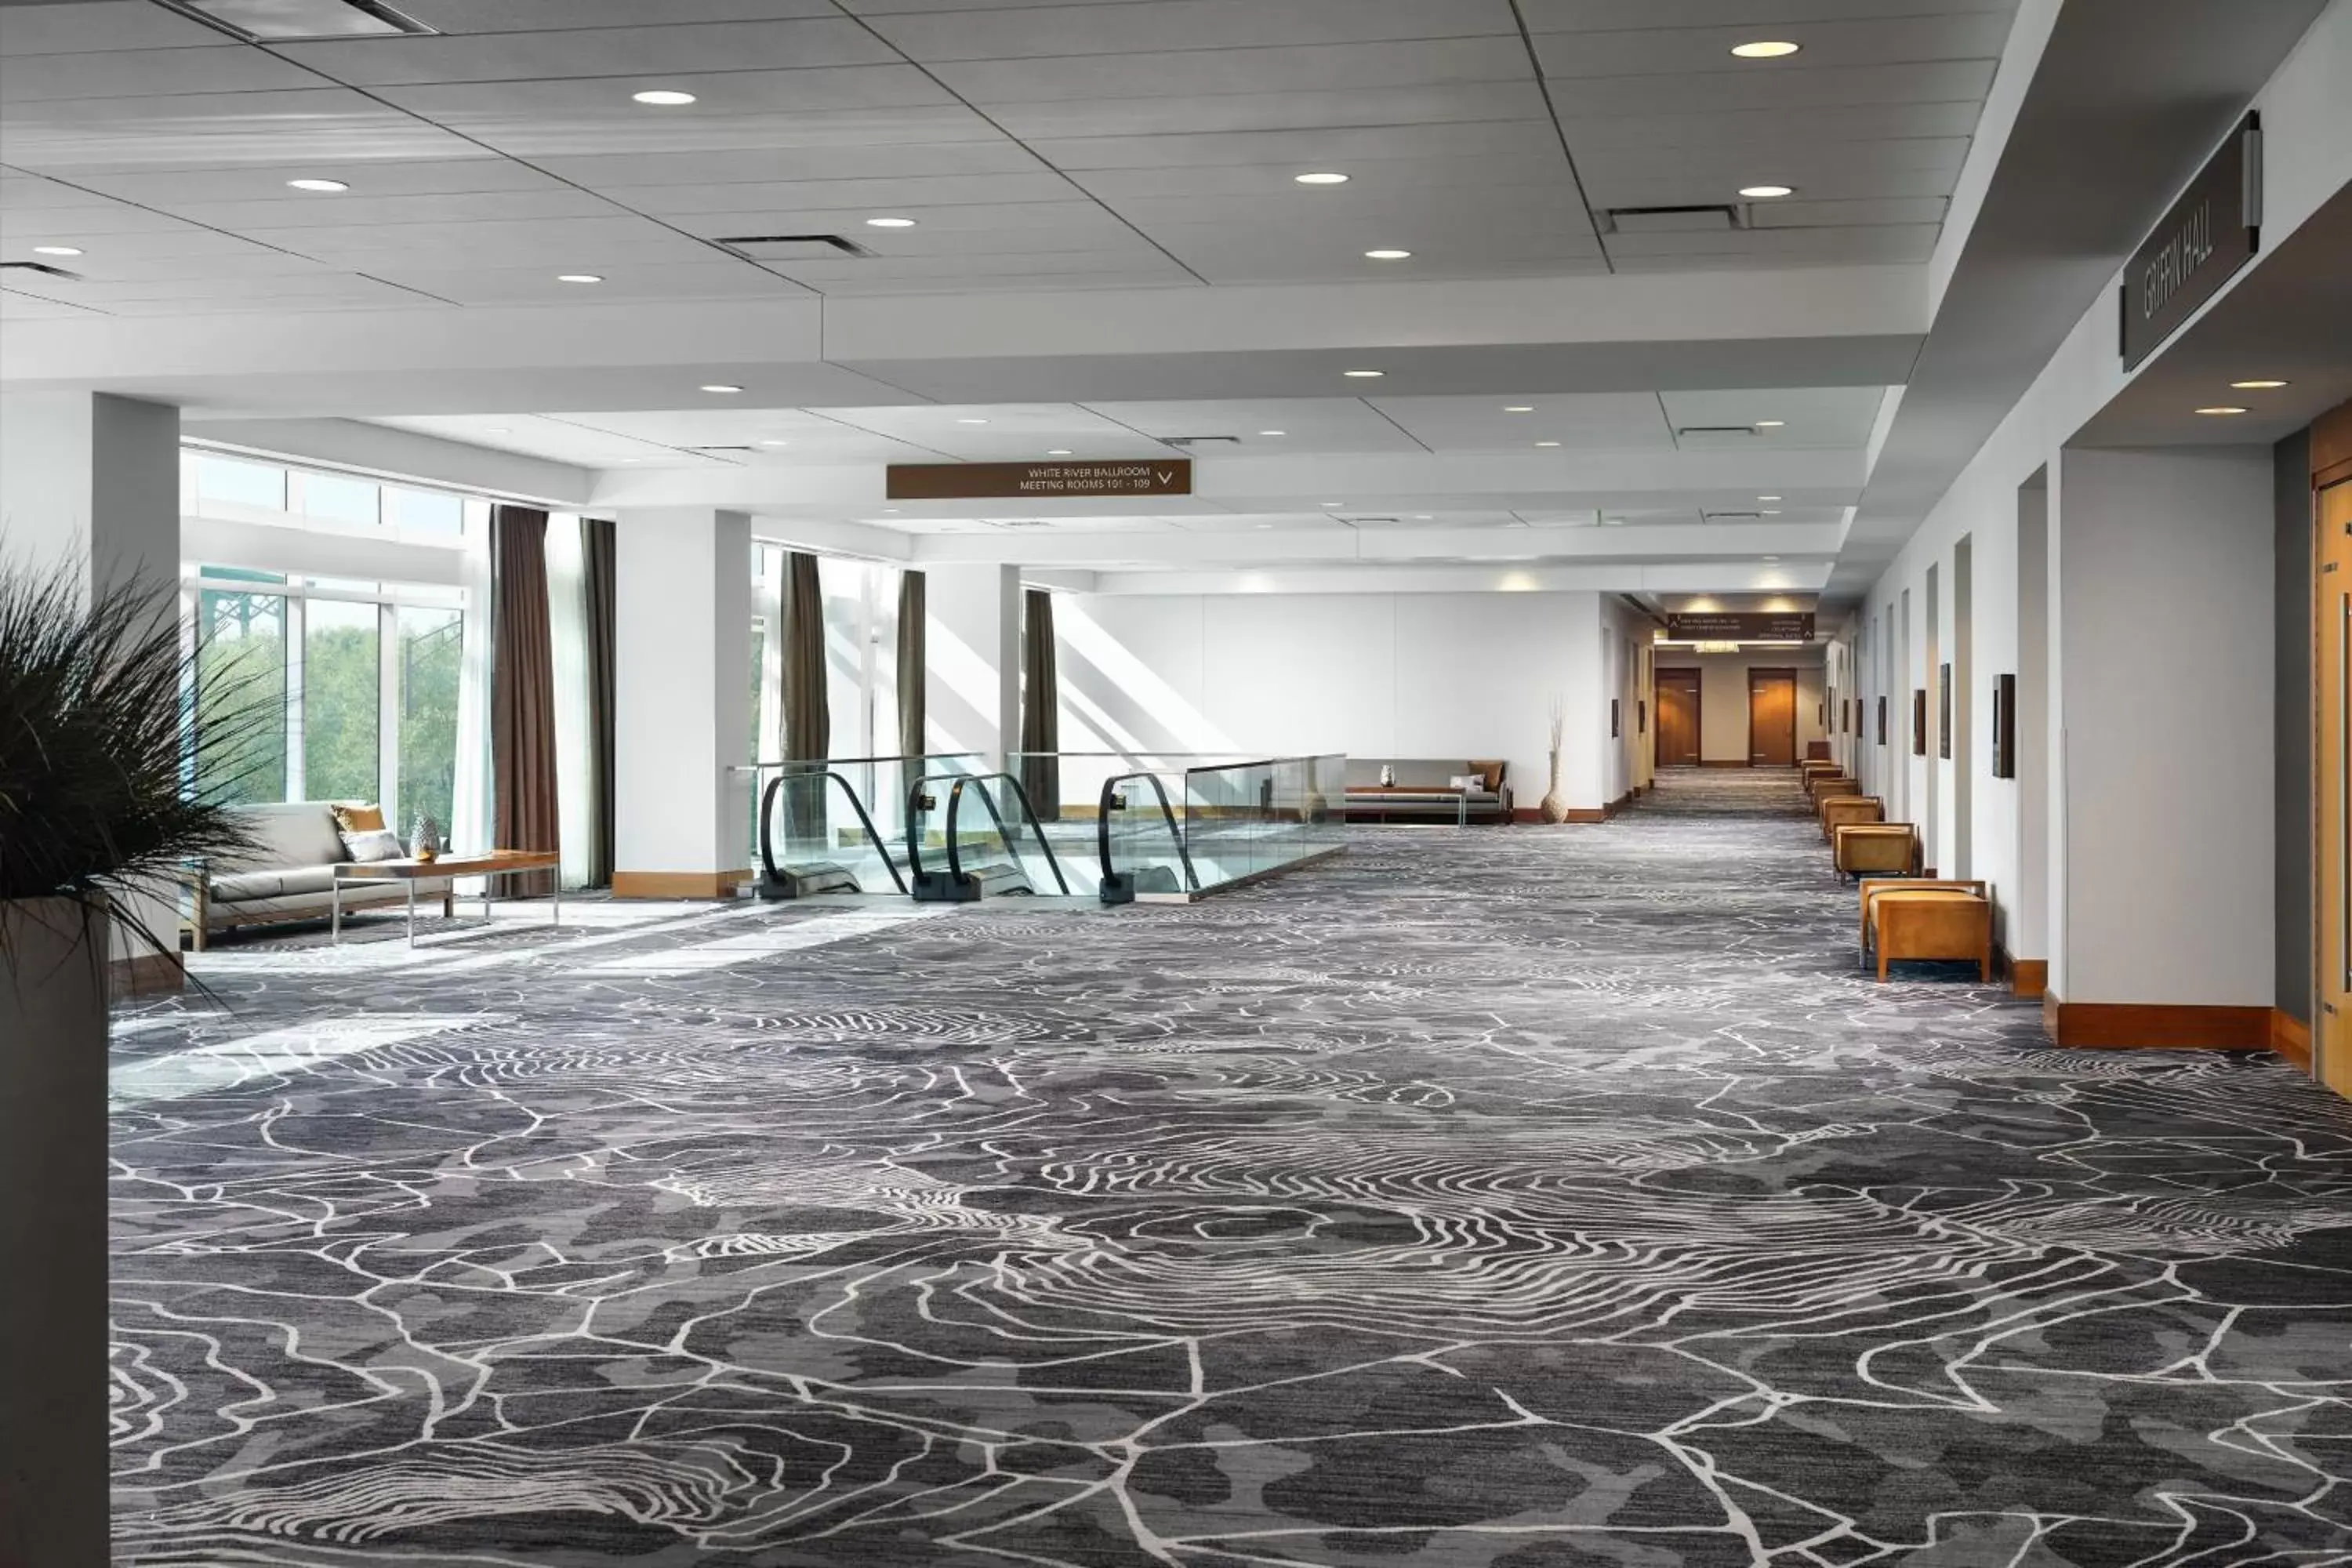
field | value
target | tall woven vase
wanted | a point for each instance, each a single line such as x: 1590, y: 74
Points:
x: 1555, y: 809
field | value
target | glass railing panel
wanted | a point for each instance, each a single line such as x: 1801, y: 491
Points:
x: 1140, y: 841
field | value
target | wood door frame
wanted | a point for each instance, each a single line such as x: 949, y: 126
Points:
x: 1772, y: 672
x: 1658, y: 672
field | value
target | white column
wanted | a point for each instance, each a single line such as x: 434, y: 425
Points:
x: 682, y: 678
x: 2162, y: 652
x: 972, y: 646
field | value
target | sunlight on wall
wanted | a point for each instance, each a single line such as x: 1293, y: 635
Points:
x: 972, y: 681
x: 1132, y: 682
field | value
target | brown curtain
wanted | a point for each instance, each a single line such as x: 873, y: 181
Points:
x: 913, y: 660
x: 522, y: 694
x: 1041, y: 703
x: 596, y: 557
x: 808, y: 718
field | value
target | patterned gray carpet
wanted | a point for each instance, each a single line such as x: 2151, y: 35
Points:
x: 1516, y: 1198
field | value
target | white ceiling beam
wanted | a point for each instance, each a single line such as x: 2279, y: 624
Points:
x: 1616, y: 578
x: 1352, y: 547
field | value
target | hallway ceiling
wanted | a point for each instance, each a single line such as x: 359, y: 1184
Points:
x: 1099, y: 242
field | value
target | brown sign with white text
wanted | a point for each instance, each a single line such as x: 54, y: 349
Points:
x: 1739, y: 626
x: 1039, y: 481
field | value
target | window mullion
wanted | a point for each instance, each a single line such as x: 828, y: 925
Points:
x: 387, y: 730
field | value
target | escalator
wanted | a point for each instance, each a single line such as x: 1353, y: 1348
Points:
x: 799, y: 859
x: 1141, y: 855
x: 999, y: 864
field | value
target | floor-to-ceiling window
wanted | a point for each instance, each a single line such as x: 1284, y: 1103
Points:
x: 355, y: 673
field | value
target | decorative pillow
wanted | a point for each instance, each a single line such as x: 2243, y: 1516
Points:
x: 352, y: 818
x: 1467, y: 781
x: 381, y: 843
x: 1492, y: 771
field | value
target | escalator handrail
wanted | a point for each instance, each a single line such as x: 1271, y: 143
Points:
x: 955, y: 798
x: 767, y: 817
x: 1175, y: 835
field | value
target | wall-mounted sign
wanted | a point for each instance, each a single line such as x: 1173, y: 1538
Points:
x: 2212, y: 231
x: 1739, y: 626
x: 1039, y: 481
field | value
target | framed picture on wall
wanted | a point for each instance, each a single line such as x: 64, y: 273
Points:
x: 1943, y: 710
x: 2004, y: 726
x: 1616, y: 718
x: 1641, y: 715
x: 1882, y: 721
x: 1918, y: 721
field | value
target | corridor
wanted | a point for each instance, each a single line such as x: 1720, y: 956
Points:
x: 1500, y: 1197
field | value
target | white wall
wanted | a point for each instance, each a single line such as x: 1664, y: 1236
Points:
x: 2165, y: 602
x: 2307, y: 125
x: 1373, y: 675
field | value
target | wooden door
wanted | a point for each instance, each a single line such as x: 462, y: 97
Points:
x: 1771, y: 718
x: 1677, y: 718
x: 2332, y: 1031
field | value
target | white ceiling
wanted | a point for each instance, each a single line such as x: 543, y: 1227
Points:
x: 1108, y: 143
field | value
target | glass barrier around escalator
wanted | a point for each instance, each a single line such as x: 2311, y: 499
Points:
x: 976, y: 835
x: 1244, y: 819
x: 836, y: 826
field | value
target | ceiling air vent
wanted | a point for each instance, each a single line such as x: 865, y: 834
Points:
x: 43, y: 268
x: 1733, y: 516
x: 1714, y: 429
x: 793, y: 247
x: 1673, y: 220
x: 721, y: 449
x: 288, y: 21
x: 1020, y: 522
x: 1201, y: 440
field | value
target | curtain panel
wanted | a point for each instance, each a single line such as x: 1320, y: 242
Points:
x: 596, y: 551
x: 524, y: 813
x: 913, y: 656
x: 808, y: 716
x: 1041, y: 705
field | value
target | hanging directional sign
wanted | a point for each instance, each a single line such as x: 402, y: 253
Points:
x: 1039, y: 481
x: 1740, y: 626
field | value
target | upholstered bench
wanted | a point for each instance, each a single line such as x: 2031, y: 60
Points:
x: 1875, y: 848
x: 1906, y: 918
x: 1843, y: 808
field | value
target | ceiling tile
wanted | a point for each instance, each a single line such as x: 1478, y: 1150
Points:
x: 1308, y: 424
x: 1610, y: 15
x: 987, y: 153
x: 870, y: 195
x: 1890, y: 242
x: 355, y: 211
x: 1880, y: 41
x: 43, y: 29
x: 551, y: 15
x: 651, y: 55
x: 1589, y: 421
x: 1328, y: 68
x: 1341, y: 147
x: 476, y: 285
x: 1714, y: 93
x: 1805, y: 126
x: 142, y: 73
x: 1032, y: 32
x: 479, y: 170
x: 1092, y: 117
x: 210, y: 130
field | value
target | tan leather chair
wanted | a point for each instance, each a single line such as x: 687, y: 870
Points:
x: 1906, y: 917
x: 1875, y: 848
x: 1823, y: 785
x: 1841, y: 808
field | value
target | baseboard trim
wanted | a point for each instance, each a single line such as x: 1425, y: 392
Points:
x: 2028, y: 978
x: 2291, y: 1037
x: 1586, y: 814
x: 2132, y: 1026
x: 149, y: 974
x: 1713, y: 763
x: 677, y: 884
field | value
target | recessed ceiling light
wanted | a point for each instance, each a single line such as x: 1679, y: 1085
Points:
x: 1767, y: 193
x: 1058, y: 452
x: 663, y: 97
x: 2256, y: 386
x: 499, y: 429
x: 1387, y: 255
x: 580, y: 278
x: 1771, y: 558
x: 2223, y: 408
x: 1770, y: 511
x: 317, y: 185
x: 56, y: 250
x: 1613, y: 523
x: 890, y: 511
x: 1321, y: 179
x: 889, y: 222
x: 1423, y: 517
x: 1518, y: 408
x: 971, y: 421
x: 1768, y: 498
x: 1332, y: 503
x: 772, y: 441
x: 1770, y: 424
x: 1547, y: 442
x: 1765, y: 49
x: 629, y: 459
x: 721, y: 386
x: 1363, y: 374
x: 1274, y: 432
x: 1266, y: 525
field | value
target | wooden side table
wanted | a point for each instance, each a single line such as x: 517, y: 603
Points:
x: 489, y: 867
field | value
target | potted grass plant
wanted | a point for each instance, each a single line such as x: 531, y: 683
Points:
x: 97, y: 822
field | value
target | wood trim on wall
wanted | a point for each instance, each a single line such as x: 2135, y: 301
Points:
x: 2331, y: 446
x: 2126, y: 1025
x: 2291, y: 1037
x: 2028, y: 978
x: 677, y: 884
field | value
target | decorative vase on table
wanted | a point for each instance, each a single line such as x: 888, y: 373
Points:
x: 1553, y: 804
x: 99, y: 707
x: 425, y: 839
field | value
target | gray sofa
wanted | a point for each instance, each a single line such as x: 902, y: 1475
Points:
x: 292, y: 879
x: 1423, y: 790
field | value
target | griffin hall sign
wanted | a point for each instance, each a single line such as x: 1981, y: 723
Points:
x: 1038, y: 481
x: 2210, y: 231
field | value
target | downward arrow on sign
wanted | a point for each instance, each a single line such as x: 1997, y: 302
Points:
x: 1169, y: 478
